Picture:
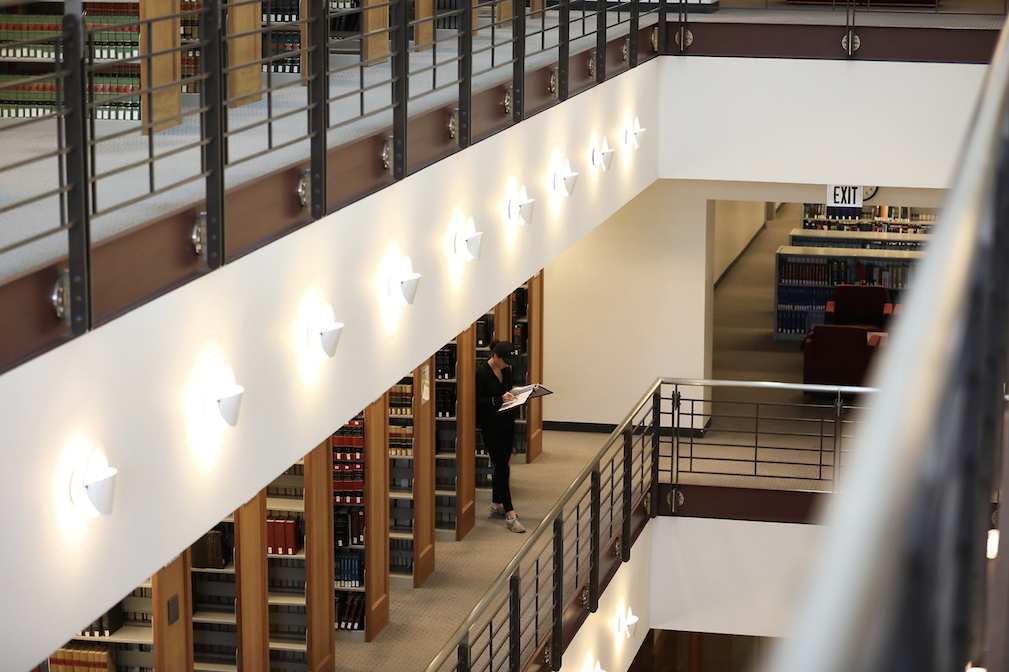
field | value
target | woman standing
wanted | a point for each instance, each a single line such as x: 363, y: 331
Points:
x: 493, y: 382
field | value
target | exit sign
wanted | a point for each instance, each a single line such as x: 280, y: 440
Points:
x: 844, y: 196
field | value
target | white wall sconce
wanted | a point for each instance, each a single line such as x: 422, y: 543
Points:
x: 225, y: 402
x: 93, y: 493
x: 324, y: 337
x: 991, y: 551
x: 564, y: 180
x: 632, y: 134
x: 403, y: 284
x: 602, y: 156
x: 598, y: 667
x: 468, y: 242
x: 625, y: 624
x: 520, y: 207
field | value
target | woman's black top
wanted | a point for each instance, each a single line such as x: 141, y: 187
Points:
x: 489, y: 393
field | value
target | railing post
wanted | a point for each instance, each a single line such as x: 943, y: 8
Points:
x: 464, y: 133
x: 212, y: 92
x: 595, y: 543
x: 515, y: 616
x: 661, y: 24
x: 563, y: 48
x: 400, y: 86
x: 463, y: 664
x: 837, y: 444
x: 75, y: 122
x: 653, y: 488
x: 625, y: 530
x: 632, y: 47
x: 557, y: 637
x: 600, y: 55
x: 318, y: 110
x: 519, y: 56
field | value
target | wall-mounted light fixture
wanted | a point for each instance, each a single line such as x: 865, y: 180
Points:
x: 564, y: 180
x: 991, y: 552
x: 92, y: 493
x: 598, y: 667
x: 225, y: 402
x: 632, y: 134
x: 468, y: 242
x: 625, y: 624
x: 520, y: 207
x: 403, y: 283
x: 324, y: 337
x: 602, y: 156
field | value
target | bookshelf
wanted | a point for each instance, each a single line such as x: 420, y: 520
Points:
x: 376, y: 524
x: 348, y: 529
x: 251, y: 584
x: 806, y: 276
x: 151, y: 628
x: 412, y: 477
x: 215, y: 619
x: 877, y: 218
x: 519, y: 319
x: 455, y: 451
x: 868, y: 240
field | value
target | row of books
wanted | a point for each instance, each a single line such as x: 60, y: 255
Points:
x: 858, y: 243
x: 213, y: 550
x: 83, y: 657
x: 190, y: 68
x: 284, y: 536
x: 519, y: 332
x: 349, y: 22
x: 349, y: 611
x: 804, y: 298
x: 791, y: 322
x: 444, y: 401
x: 520, y: 304
x: 93, y: 9
x: 891, y: 213
x: 401, y: 399
x: 444, y: 362
x: 40, y: 98
x: 190, y: 24
x: 348, y: 484
x: 106, y: 624
x: 484, y: 331
x: 278, y: 42
x: 400, y: 440
x: 349, y: 569
x: 812, y: 271
x: 39, y: 35
x: 348, y: 526
x: 281, y: 10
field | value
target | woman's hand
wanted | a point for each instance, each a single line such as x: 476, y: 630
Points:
x: 507, y: 396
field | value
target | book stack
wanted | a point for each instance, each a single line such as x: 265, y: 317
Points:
x: 280, y: 11
x: 348, y: 441
x: 348, y: 526
x: 106, y: 624
x: 444, y: 362
x: 349, y: 611
x: 76, y: 656
x: 349, y: 569
x: 444, y: 401
x: 484, y: 331
x: 401, y: 398
x: 813, y: 271
x: 348, y: 482
x: 345, y: 16
x: 211, y: 551
x: 400, y: 440
x: 284, y: 536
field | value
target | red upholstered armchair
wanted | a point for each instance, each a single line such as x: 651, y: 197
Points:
x: 838, y: 354
x: 860, y: 305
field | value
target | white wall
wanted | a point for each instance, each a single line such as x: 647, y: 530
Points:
x: 729, y: 576
x: 736, y: 224
x: 809, y: 121
x: 131, y: 392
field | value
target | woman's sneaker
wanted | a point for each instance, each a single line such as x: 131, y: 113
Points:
x: 500, y: 513
x: 514, y: 525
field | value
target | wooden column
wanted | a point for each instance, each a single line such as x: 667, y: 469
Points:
x: 503, y: 320
x: 172, y: 593
x: 160, y: 35
x: 375, y: 45
x: 534, y: 346
x: 376, y: 514
x: 251, y: 607
x: 423, y: 472
x: 465, y: 441
x: 319, y: 558
x: 504, y: 13
x: 243, y: 18
x: 423, y: 32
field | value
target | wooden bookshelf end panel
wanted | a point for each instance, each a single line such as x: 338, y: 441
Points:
x: 465, y: 450
x: 252, y: 607
x: 173, y: 615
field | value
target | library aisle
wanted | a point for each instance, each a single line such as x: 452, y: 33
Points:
x: 744, y: 345
x: 423, y: 619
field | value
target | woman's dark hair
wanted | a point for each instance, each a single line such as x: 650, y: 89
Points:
x: 493, y: 343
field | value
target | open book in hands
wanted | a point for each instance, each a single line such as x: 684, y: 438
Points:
x: 522, y: 394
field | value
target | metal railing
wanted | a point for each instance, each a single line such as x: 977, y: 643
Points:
x: 560, y: 565
x: 903, y: 582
